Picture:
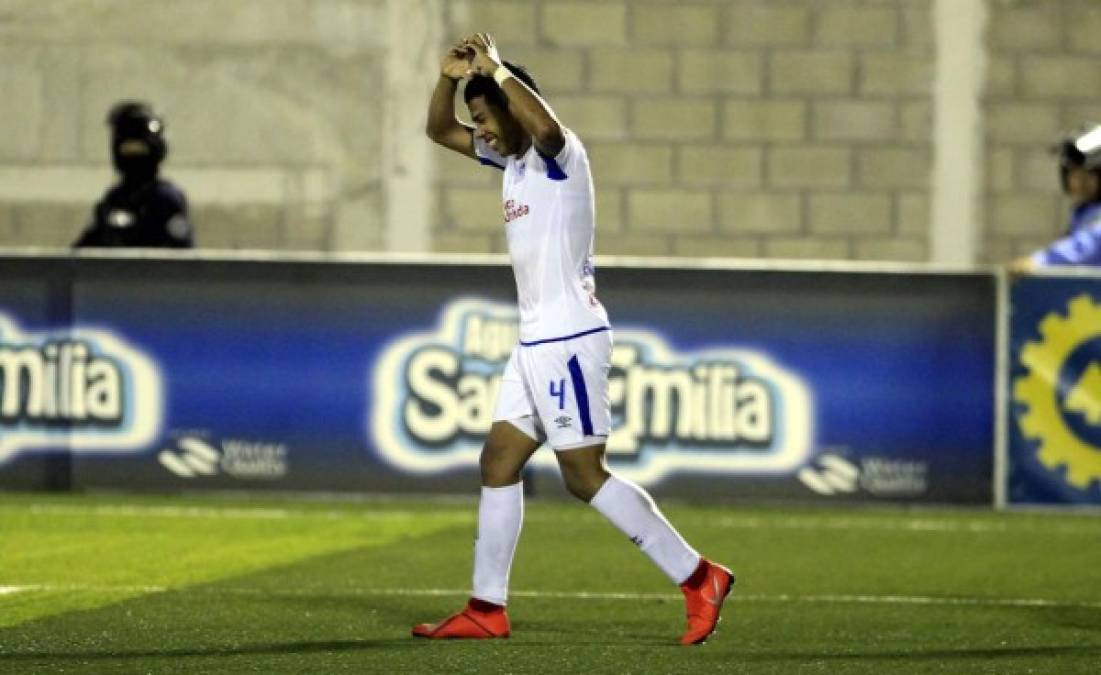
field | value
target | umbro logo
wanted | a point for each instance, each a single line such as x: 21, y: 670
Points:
x: 563, y: 421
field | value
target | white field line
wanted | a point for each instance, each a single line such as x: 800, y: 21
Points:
x: 780, y: 598
x: 809, y: 522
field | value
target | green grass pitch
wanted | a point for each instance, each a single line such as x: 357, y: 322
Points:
x: 125, y: 584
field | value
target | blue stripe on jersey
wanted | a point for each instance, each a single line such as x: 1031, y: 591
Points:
x: 1082, y: 243
x: 490, y: 162
x: 581, y: 395
x: 565, y: 337
x: 1081, y: 248
x: 554, y: 172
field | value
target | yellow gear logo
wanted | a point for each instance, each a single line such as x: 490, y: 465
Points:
x: 1044, y: 421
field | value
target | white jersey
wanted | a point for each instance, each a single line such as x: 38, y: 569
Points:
x: 549, y: 222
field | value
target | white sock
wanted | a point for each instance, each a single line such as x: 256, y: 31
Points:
x: 631, y: 509
x: 500, y: 513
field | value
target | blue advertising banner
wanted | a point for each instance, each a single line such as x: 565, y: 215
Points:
x: 1054, y: 440
x: 725, y: 383
x: 29, y: 298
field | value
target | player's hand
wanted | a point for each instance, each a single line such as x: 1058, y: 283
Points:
x: 456, y: 62
x: 1021, y: 266
x: 486, y: 60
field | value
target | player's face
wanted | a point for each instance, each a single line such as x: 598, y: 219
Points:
x: 494, y: 126
x: 133, y: 147
x: 1083, y: 186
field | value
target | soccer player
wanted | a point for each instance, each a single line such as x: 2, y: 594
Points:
x: 555, y: 384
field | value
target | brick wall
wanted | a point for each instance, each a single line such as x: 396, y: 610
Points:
x: 747, y: 128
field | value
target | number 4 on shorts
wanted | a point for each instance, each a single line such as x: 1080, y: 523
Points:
x: 560, y: 392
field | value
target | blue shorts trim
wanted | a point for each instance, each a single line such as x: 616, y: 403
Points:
x: 565, y: 337
x: 581, y: 394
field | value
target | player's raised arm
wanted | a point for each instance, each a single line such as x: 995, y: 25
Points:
x: 443, y: 127
x: 529, y: 109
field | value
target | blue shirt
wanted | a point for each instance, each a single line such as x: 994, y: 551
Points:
x: 1082, y: 243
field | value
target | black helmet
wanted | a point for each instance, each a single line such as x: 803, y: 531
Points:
x: 137, y: 121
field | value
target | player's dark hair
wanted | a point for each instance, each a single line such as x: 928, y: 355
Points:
x: 480, y: 85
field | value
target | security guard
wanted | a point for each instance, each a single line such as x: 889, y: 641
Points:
x: 141, y: 210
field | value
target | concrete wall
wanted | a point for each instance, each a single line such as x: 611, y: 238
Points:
x: 794, y: 128
x: 271, y: 115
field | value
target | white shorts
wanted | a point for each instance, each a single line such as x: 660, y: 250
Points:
x: 558, y: 391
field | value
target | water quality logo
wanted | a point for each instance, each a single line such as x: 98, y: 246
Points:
x: 192, y: 457
x: 82, y: 388
x: 830, y: 474
x: 722, y: 410
x: 198, y: 457
x: 833, y: 474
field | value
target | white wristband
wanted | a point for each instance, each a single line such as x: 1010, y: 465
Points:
x: 501, y: 74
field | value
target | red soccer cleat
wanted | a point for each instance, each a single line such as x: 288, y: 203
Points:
x: 704, y: 593
x: 475, y: 622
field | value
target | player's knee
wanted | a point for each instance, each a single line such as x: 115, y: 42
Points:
x: 496, y: 471
x: 579, y: 489
x: 583, y: 484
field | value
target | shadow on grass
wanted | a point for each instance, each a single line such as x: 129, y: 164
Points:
x: 309, y: 608
x: 300, y: 608
x: 985, y: 653
x: 321, y: 647
x: 1081, y: 618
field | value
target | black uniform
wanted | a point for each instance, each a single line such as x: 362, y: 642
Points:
x: 152, y: 215
x: 141, y: 210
